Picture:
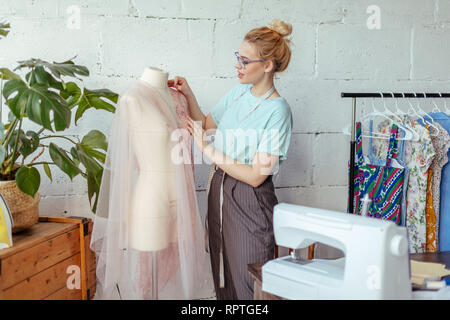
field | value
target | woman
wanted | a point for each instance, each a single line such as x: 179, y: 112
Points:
x: 253, y: 126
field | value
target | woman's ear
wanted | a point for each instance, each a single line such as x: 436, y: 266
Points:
x: 269, y: 66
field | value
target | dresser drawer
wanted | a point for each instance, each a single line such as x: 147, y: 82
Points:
x: 51, y: 260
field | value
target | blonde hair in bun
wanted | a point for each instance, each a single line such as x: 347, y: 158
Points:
x: 283, y: 28
x: 271, y: 44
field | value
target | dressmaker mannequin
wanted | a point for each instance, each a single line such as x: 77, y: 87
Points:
x: 153, y: 206
x: 148, y: 235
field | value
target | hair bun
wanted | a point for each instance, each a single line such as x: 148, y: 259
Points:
x: 283, y: 28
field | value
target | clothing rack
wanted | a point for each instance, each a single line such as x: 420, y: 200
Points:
x: 354, y: 96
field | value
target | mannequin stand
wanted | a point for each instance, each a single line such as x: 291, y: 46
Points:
x: 155, y: 276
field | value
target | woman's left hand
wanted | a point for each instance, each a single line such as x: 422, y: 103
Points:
x: 197, y: 132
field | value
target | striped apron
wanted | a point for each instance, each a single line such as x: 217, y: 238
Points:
x: 239, y: 227
x: 245, y: 235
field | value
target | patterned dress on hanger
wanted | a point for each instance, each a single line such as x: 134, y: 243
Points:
x: 371, y: 155
x: 418, y: 157
x: 441, y: 145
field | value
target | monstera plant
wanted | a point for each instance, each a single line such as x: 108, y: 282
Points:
x: 45, y: 97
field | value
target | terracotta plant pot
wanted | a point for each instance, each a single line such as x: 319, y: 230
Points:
x: 24, y: 208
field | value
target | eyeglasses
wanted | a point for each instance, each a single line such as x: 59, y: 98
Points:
x: 243, y: 62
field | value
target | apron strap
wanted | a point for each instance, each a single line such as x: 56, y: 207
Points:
x: 221, y: 262
x: 263, y: 97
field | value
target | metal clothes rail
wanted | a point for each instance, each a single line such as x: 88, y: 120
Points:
x: 356, y: 95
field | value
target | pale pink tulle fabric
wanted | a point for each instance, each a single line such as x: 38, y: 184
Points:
x: 180, y: 266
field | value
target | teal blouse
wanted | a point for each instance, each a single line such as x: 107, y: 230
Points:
x: 267, y: 129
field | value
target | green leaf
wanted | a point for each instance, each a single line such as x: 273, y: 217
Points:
x: 58, y: 69
x: 75, y: 157
x: 39, y: 102
x: 2, y: 154
x: 28, y: 180
x: 39, y: 75
x: 93, y: 99
x: 95, y: 139
x: 24, y: 145
x: 28, y: 143
x: 7, y: 74
x: 47, y: 171
x: 62, y: 160
x: 11, y: 117
x: 95, y: 154
x: 88, y: 161
x: 94, y: 172
x: 4, y: 29
x: 2, y: 131
x: 94, y: 182
x: 34, y: 140
x: 72, y: 94
x: 20, y: 100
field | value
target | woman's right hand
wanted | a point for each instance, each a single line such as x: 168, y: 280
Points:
x: 181, y: 85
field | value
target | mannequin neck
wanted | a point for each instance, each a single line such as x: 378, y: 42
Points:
x: 155, y: 77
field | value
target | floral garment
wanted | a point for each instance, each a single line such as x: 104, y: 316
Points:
x: 430, y: 216
x: 418, y: 157
x: 441, y: 142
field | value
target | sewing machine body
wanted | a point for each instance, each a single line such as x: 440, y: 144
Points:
x: 375, y: 266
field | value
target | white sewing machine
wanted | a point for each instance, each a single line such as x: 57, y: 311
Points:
x: 375, y: 266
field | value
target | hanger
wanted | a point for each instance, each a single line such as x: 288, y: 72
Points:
x: 431, y: 124
x: 412, y: 112
x: 435, y: 108
x: 397, y: 109
x: 375, y: 112
x: 407, y: 124
x: 446, y: 110
x: 387, y: 111
x: 407, y: 127
x: 409, y: 131
x: 395, y: 119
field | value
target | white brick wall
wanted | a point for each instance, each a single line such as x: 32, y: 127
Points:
x: 333, y: 51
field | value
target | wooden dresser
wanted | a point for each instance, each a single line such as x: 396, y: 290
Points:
x: 51, y: 260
